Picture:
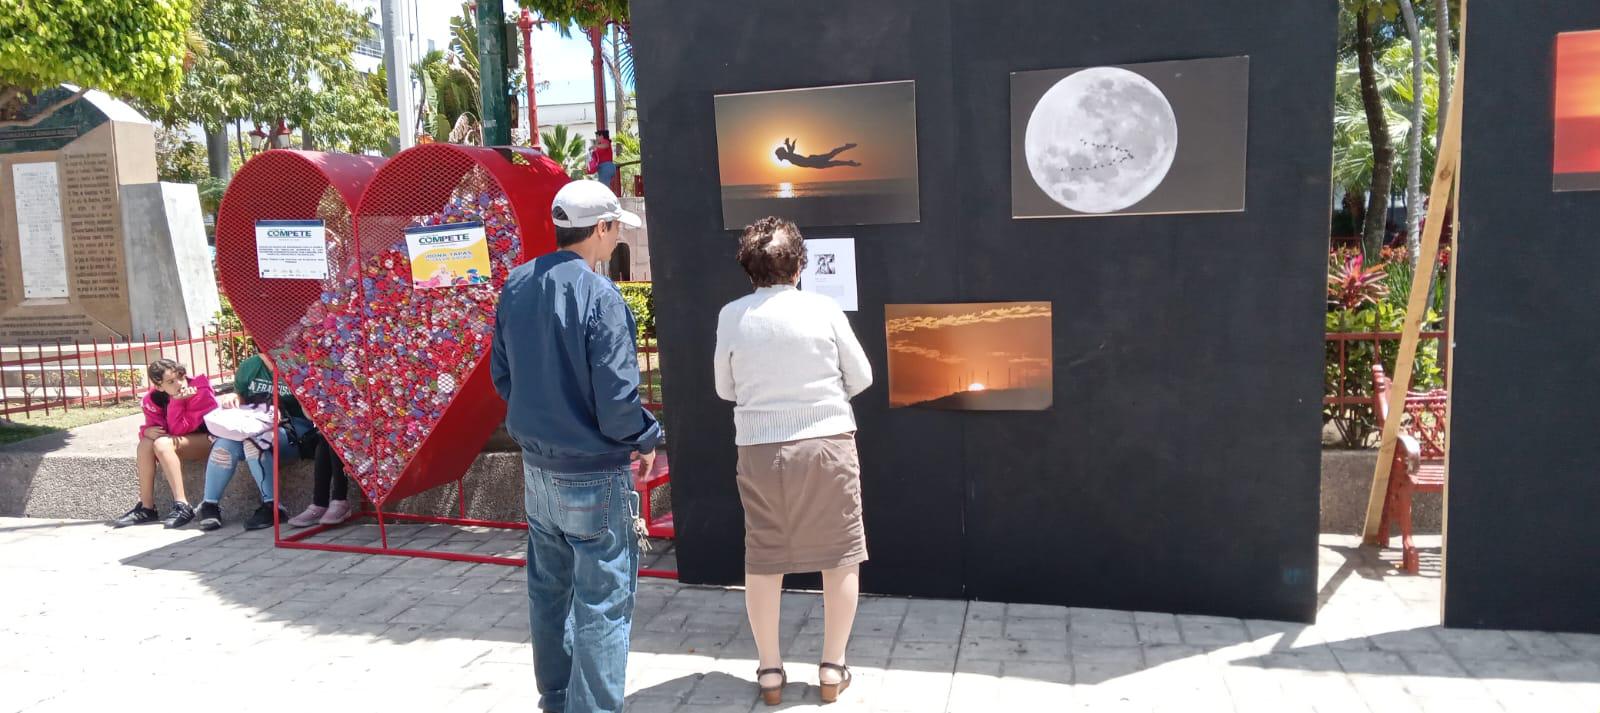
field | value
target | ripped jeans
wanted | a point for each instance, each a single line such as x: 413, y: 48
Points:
x: 225, y: 457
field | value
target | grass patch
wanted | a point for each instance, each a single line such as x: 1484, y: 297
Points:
x: 25, y: 426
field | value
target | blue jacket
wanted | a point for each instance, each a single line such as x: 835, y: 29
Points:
x: 566, y: 363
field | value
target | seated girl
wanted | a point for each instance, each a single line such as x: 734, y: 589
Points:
x: 173, y: 432
x: 253, y: 387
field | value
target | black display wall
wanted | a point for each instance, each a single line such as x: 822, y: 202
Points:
x: 1523, y: 537
x: 1178, y: 468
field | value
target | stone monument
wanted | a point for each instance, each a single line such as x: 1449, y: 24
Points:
x: 91, y: 245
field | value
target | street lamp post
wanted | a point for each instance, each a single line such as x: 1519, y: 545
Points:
x: 258, y: 139
x: 280, y: 135
x: 527, y: 24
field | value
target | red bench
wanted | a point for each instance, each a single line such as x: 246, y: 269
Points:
x: 1419, y: 458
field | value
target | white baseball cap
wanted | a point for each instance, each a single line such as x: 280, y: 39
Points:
x: 580, y: 204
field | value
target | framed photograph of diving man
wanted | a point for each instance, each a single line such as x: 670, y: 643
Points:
x: 826, y: 156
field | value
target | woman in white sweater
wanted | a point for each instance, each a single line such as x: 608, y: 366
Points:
x: 791, y: 364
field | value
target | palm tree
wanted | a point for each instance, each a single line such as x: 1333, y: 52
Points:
x: 1353, y: 155
x: 567, y: 149
x: 449, y: 92
x: 1414, y: 138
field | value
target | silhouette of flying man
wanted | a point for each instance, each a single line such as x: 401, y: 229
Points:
x: 786, y: 152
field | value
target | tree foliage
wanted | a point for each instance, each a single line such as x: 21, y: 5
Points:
x: 566, y: 148
x: 1371, y: 130
x: 179, y: 159
x: 566, y: 14
x: 291, y: 60
x: 133, y: 48
x: 1352, y: 168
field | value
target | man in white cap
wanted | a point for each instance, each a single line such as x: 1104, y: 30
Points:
x: 566, y: 363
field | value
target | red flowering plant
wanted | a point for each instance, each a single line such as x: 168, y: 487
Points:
x: 1351, y: 284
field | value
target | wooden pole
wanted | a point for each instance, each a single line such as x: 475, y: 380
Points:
x: 1444, y: 181
x: 1449, y: 386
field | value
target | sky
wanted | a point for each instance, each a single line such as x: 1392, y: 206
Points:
x: 938, y: 349
x: 1578, y: 103
x: 881, y: 118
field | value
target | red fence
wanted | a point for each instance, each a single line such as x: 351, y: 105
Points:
x: 650, y: 377
x: 61, y: 375
x: 1338, y: 391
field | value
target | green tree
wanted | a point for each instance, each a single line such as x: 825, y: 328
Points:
x: 178, y: 159
x: 283, y: 60
x: 580, y: 13
x: 566, y: 148
x: 1369, y: 132
x: 134, y: 48
x: 450, y: 80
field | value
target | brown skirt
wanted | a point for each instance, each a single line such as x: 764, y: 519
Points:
x: 802, y: 505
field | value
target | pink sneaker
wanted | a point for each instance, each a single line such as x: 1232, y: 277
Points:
x: 338, y: 512
x: 312, y: 514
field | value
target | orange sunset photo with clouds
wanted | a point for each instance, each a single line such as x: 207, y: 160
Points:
x: 985, y: 356
x: 1577, y: 161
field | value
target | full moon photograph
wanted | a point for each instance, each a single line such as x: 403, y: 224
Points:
x: 1160, y: 137
x: 1101, y: 140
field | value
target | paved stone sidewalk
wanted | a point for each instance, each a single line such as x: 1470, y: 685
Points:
x: 147, y: 619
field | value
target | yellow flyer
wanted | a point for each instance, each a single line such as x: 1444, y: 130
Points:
x: 449, y: 255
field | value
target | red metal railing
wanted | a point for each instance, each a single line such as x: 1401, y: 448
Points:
x: 63, y: 375
x: 1339, y: 392
x: 650, y: 377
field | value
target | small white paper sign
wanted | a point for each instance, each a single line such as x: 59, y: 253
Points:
x: 831, y: 270
x: 292, y: 249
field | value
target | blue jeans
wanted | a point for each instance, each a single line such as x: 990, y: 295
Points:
x: 226, y: 454
x: 583, y: 571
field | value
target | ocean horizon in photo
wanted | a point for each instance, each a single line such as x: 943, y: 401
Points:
x: 823, y: 202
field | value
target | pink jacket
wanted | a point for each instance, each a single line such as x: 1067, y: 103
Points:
x: 181, y: 417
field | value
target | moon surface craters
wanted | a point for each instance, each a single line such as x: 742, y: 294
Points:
x: 1101, y: 140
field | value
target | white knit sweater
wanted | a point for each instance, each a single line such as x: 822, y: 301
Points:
x: 791, y: 364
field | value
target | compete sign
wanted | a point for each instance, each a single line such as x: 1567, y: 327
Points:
x: 449, y: 255
x: 292, y: 249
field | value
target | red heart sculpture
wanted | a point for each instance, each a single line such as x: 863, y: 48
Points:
x: 291, y: 320
x: 396, y: 376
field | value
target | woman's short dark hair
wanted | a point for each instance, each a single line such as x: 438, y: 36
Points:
x: 772, y: 252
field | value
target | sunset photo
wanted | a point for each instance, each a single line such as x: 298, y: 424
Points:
x: 1577, y: 161
x: 828, y: 156
x: 989, y: 356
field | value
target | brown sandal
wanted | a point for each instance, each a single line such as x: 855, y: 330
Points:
x: 830, y: 691
x: 774, y: 695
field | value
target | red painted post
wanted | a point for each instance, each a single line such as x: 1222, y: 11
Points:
x: 61, y: 373
x: 526, y: 23
x: 277, y: 409
x: 207, y: 344
x: 600, y: 119
x: 77, y: 348
x: 22, y: 375
x: 99, y: 384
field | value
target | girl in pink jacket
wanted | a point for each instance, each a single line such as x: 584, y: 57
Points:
x: 173, y: 431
